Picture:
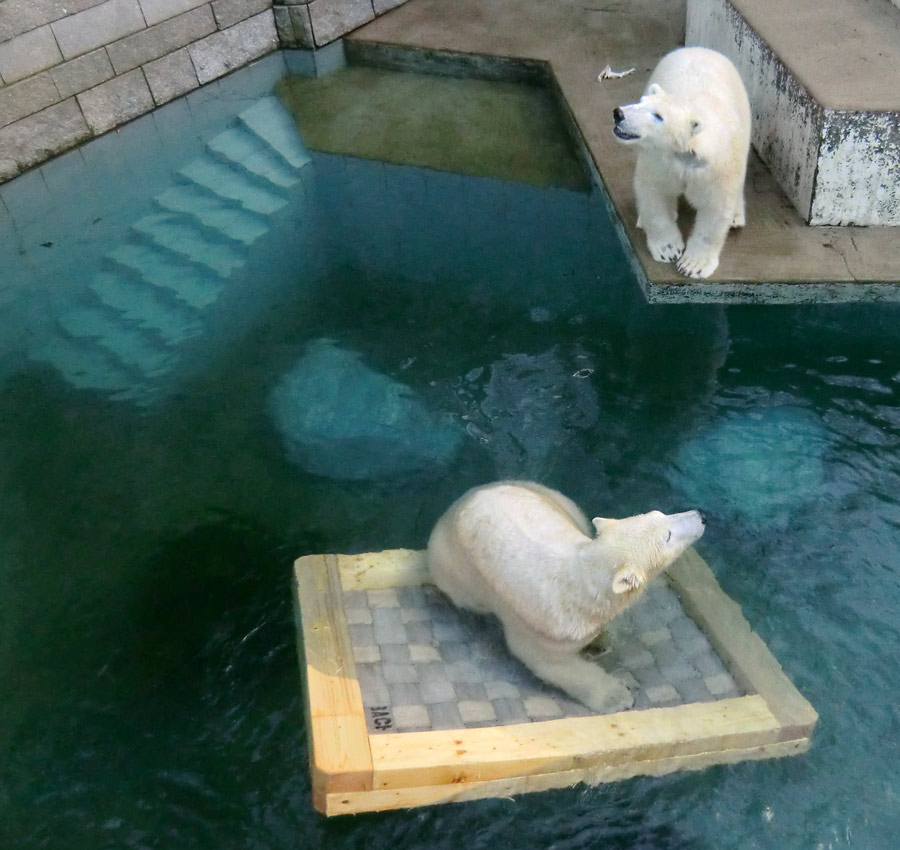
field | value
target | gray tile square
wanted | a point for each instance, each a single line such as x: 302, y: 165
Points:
x: 404, y: 693
x: 399, y: 673
x: 419, y: 633
x: 445, y: 715
x: 471, y: 691
x: 395, y: 653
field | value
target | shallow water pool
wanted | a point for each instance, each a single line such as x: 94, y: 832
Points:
x: 155, y: 485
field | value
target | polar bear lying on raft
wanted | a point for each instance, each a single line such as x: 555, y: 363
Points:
x: 692, y: 132
x: 529, y: 555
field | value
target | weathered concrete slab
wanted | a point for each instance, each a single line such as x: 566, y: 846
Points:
x: 825, y: 90
x: 777, y: 257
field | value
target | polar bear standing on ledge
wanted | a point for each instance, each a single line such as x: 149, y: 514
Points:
x: 692, y: 131
x: 529, y: 555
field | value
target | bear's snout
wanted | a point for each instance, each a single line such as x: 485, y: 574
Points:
x: 618, y: 115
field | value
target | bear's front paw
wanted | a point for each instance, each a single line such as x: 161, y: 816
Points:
x: 698, y: 263
x: 611, y: 697
x: 666, y: 250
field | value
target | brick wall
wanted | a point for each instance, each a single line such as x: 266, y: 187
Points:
x: 74, y: 69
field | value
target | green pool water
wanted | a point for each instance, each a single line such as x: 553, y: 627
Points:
x: 150, y: 693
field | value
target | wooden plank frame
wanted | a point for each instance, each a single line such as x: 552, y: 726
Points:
x: 355, y: 771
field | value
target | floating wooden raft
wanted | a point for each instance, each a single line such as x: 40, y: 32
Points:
x: 411, y: 703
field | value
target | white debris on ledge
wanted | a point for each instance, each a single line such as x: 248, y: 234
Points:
x: 608, y: 74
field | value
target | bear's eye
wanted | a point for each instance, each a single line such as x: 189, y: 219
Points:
x: 657, y: 117
x: 668, y: 535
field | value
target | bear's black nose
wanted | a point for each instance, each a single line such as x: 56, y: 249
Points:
x: 618, y: 115
x: 702, y: 516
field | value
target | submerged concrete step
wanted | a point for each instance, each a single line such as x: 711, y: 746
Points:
x: 228, y: 183
x: 83, y: 367
x: 187, y: 283
x: 273, y: 123
x: 146, y: 305
x: 128, y: 345
x: 173, y: 233
x: 242, y: 148
x: 213, y: 212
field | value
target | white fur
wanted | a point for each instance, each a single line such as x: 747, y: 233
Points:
x: 692, y: 132
x: 529, y: 555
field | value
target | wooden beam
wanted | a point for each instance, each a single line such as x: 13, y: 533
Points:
x: 404, y: 798
x: 340, y: 757
x: 502, y: 752
x: 381, y: 570
x: 751, y: 663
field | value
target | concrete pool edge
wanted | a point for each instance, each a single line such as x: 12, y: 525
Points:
x: 776, y: 259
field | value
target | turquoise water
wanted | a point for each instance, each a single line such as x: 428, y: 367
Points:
x: 150, y: 690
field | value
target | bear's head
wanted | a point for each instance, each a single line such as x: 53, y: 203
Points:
x: 659, y: 121
x: 627, y: 553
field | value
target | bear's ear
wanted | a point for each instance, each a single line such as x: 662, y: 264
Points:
x: 600, y: 523
x: 654, y: 90
x: 626, y: 579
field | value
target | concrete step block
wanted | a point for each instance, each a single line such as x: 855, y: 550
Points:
x: 172, y: 232
x: 82, y: 366
x: 824, y: 122
x: 214, y: 212
x: 241, y: 148
x: 147, y: 306
x: 273, y: 123
x: 228, y: 183
x: 189, y: 283
x: 129, y: 345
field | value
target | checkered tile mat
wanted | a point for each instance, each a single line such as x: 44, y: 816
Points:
x: 424, y: 665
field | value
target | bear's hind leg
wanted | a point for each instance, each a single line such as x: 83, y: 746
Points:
x: 568, y: 671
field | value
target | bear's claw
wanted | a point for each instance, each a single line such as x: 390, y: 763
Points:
x: 698, y: 265
x: 666, y: 252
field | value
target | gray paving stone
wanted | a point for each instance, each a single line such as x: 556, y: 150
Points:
x: 693, y: 690
x: 229, y: 12
x: 463, y: 672
x: 437, y: 691
x: 419, y: 633
x: 116, y: 101
x: 27, y: 97
x: 709, y: 664
x: 97, y: 26
x: 171, y: 76
x: 223, y: 51
x: 405, y: 693
x: 399, y: 673
x: 510, y: 710
x: 364, y: 635
x: 83, y: 73
x: 388, y: 626
x: 160, y: 40
x: 396, y: 653
x: 331, y: 19
x: 453, y: 650
x: 28, y: 54
x: 471, y: 691
x: 445, y: 715
x: 413, y: 597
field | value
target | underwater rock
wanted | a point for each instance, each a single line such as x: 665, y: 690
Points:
x: 340, y: 419
x: 759, y: 465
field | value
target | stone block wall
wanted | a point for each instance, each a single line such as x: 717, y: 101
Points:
x: 71, y: 70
